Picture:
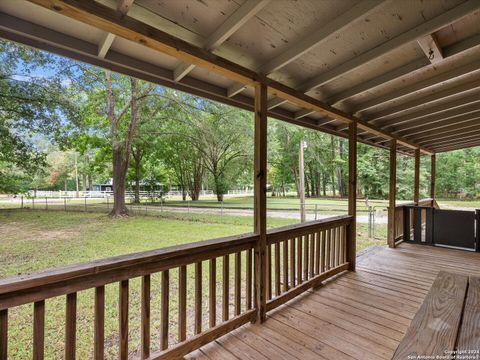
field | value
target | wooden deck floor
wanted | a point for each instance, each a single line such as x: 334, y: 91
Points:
x: 361, y: 315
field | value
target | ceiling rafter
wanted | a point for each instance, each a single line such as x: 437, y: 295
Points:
x: 316, y: 38
x: 424, y: 101
x: 466, y: 145
x: 438, y: 120
x: 123, y: 6
x: 473, y: 67
x: 451, y: 129
x: 395, y: 74
x: 456, y: 106
x: 453, y: 137
x: 408, y: 36
x: 234, y: 22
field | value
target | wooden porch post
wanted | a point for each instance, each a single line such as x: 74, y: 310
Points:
x: 416, y: 192
x: 260, y: 199
x: 432, y: 176
x: 392, y: 192
x: 352, y: 194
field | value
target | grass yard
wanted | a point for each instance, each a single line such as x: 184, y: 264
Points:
x: 35, y: 240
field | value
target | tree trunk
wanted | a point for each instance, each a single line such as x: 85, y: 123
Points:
x: 137, y: 157
x: 84, y: 182
x: 90, y: 182
x: 65, y: 184
x: 119, y: 173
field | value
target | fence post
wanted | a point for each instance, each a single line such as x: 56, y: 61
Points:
x: 22, y: 202
x: 316, y: 208
x: 85, y: 204
x: 370, y: 221
x: 33, y: 203
x: 46, y: 203
x: 65, y: 203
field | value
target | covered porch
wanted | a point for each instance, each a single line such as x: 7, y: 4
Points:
x: 411, y: 87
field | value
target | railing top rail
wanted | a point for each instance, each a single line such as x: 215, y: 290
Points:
x: 307, y: 227
x: 124, y: 263
x: 413, y: 204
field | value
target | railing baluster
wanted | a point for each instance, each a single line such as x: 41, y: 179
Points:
x: 198, y: 297
x: 3, y: 334
x: 328, y: 252
x: 269, y: 271
x: 317, y: 253
x: 99, y: 328
x: 345, y: 251
x: 123, y: 319
x: 145, y: 317
x: 334, y: 246
x: 277, y: 269
x: 164, y: 317
x: 248, y: 275
x: 323, y: 246
x: 212, y: 289
x: 292, y: 262
x: 70, y: 326
x: 285, y: 265
x: 339, y: 242
x: 38, y: 330
x: 306, y: 247
x: 225, y: 288
x: 299, y: 259
x: 238, y: 283
x: 311, y: 251
x: 182, y: 303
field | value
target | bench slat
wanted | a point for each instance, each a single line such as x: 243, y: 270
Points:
x: 469, y: 337
x: 434, y: 328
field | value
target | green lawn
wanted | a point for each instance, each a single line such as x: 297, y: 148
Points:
x: 34, y: 240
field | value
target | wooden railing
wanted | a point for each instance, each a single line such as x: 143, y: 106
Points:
x: 303, y: 256
x: 399, y: 217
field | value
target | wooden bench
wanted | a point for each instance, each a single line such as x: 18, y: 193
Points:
x: 469, y: 337
x: 435, y: 328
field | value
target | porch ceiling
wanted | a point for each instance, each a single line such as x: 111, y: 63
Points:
x: 408, y: 70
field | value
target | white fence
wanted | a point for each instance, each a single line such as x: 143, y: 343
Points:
x: 129, y: 194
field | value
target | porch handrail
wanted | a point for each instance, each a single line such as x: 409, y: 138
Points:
x: 298, y: 257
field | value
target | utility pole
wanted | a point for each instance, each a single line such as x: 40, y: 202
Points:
x: 76, y: 174
x: 301, y: 180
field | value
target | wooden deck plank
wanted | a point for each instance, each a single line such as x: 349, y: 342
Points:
x: 469, y: 337
x: 361, y: 315
x: 434, y: 328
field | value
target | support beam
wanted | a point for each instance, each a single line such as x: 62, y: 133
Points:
x: 431, y: 48
x: 433, y: 167
x: 392, y: 193
x: 416, y: 185
x: 107, y: 19
x: 273, y: 103
x: 352, y: 195
x: 260, y: 199
x: 410, y: 35
x: 244, y: 13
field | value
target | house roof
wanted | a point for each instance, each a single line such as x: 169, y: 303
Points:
x: 408, y: 70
